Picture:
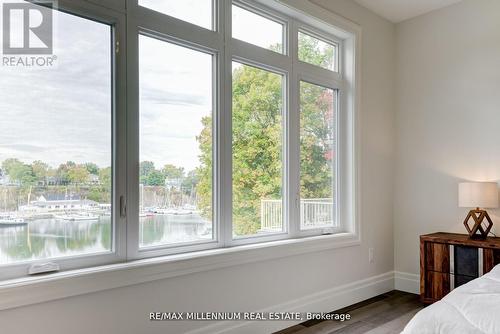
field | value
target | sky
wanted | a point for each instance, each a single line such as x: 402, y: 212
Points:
x: 61, y: 113
x: 64, y: 113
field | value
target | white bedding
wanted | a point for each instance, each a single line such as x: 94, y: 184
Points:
x: 469, y: 309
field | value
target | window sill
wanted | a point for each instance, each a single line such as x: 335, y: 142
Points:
x: 38, y: 289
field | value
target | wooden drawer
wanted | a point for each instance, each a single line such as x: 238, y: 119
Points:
x: 437, y: 257
x: 491, y: 258
x: 437, y: 285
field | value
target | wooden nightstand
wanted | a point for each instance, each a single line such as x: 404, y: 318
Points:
x: 448, y: 260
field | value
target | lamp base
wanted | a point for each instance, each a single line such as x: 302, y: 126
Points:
x: 477, y: 231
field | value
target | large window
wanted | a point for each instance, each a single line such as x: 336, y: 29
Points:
x: 168, y: 127
x: 56, y: 162
x: 257, y: 115
x: 317, y: 156
x: 175, y: 168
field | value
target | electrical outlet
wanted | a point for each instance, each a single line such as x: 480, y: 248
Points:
x: 371, y: 256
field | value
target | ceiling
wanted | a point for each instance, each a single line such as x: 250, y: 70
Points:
x: 400, y: 10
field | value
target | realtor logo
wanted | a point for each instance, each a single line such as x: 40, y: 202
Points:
x: 27, y: 28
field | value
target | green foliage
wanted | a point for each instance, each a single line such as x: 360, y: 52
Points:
x: 40, y: 170
x: 150, y: 176
x: 311, y: 52
x: 92, y: 168
x: 19, y: 172
x: 257, y: 141
x: 145, y: 168
x: 105, y: 177
x: 172, y: 172
x: 10, y: 166
x: 78, y: 174
x: 190, y: 182
x: 316, y: 120
x: 155, y: 178
x: 204, y: 172
x: 33, y: 181
x: 99, y: 194
x: 257, y: 149
x: 62, y: 172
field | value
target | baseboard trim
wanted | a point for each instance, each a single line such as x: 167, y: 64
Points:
x: 324, y: 301
x: 407, y: 282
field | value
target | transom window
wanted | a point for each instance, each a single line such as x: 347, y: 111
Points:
x: 177, y: 130
x: 317, y: 51
x: 266, y: 32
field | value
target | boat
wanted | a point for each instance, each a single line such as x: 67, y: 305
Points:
x: 173, y: 212
x: 77, y: 217
x: 11, y: 221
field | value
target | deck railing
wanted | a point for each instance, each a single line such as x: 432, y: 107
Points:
x: 313, y: 212
x: 271, y: 217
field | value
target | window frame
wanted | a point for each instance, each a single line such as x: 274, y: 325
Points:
x: 328, y: 229
x: 118, y: 139
x: 214, y: 25
x: 280, y: 63
x: 158, y: 27
x: 284, y: 233
x: 129, y: 20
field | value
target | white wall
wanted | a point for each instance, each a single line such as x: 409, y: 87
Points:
x: 448, y: 114
x: 261, y: 285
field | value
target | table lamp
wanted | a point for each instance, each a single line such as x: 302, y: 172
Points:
x: 478, y: 195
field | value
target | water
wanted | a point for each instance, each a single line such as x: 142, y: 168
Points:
x: 52, y: 238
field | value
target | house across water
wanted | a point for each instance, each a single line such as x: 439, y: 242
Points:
x: 57, y: 202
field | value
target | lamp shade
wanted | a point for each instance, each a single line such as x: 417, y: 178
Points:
x: 478, y: 195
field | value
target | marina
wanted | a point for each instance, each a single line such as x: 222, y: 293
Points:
x: 9, y: 220
x: 64, y: 236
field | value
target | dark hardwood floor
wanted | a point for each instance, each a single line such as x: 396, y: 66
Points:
x: 385, y: 314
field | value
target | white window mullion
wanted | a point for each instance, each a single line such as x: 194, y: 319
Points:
x: 318, y: 75
x: 293, y: 130
x: 132, y: 139
x: 225, y: 145
x: 120, y: 137
x: 248, y: 53
x: 175, y: 28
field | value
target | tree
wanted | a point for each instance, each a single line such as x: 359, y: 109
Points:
x: 92, y: 168
x: 145, y: 168
x: 40, y: 170
x: 78, y: 174
x: 316, y: 141
x: 190, y: 182
x: 105, y: 178
x: 62, y: 172
x: 150, y: 176
x: 310, y: 51
x: 173, y: 172
x: 257, y: 136
x: 10, y: 165
x: 257, y: 133
x: 19, y: 172
x: 155, y: 178
x: 204, y: 172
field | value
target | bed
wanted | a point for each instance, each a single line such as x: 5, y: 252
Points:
x: 469, y: 309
